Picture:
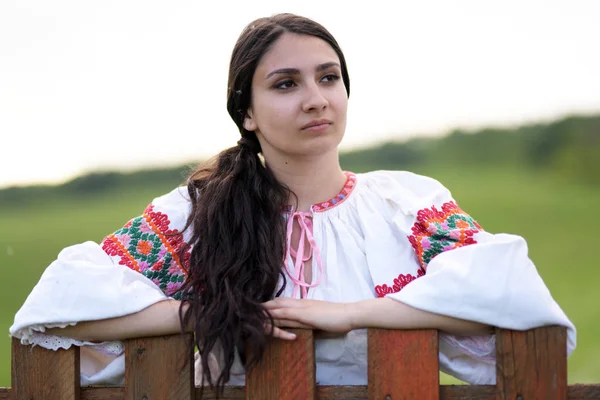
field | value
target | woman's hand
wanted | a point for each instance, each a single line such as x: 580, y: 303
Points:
x: 310, y: 314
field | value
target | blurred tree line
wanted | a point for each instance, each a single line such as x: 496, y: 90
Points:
x: 568, y: 148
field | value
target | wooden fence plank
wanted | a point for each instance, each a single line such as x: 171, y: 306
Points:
x: 5, y: 394
x: 531, y: 364
x: 287, y: 370
x: 540, y: 354
x: 467, y: 392
x: 583, y: 392
x: 403, y: 364
x: 159, y: 368
x: 102, y: 393
x: 41, y: 374
x: 447, y: 392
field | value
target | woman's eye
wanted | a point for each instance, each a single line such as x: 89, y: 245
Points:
x: 287, y: 84
x: 330, y: 78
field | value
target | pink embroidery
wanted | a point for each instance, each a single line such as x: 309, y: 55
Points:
x: 341, y: 197
x: 437, y: 231
x: 399, y: 283
x: 147, y: 245
x: 113, y: 247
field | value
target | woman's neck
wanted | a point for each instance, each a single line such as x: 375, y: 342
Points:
x: 312, y: 179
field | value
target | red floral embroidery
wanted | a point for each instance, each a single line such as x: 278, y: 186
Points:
x: 158, y: 266
x: 172, y: 236
x: 147, y: 245
x: 399, y: 283
x: 114, y: 248
x: 437, y: 231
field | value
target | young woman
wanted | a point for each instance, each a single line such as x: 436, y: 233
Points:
x: 274, y: 234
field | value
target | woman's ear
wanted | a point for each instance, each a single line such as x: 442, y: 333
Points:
x: 249, y: 122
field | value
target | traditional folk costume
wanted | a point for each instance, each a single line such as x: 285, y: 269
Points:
x: 386, y: 234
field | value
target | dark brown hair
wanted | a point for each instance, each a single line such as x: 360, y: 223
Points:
x: 238, y: 230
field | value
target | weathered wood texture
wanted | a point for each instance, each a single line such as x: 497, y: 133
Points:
x: 159, y: 368
x: 531, y: 364
x: 447, y: 392
x: 40, y: 374
x: 287, y: 370
x: 403, y: 364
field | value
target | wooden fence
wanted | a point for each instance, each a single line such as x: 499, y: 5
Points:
x: 531, y: 365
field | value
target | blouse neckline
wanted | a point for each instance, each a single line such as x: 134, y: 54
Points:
x: 334, y: 201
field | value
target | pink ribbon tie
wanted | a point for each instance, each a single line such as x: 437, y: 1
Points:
x: 306, y: 226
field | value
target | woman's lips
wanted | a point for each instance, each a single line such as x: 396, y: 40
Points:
x: 318, y: 128
x: 317, y: 125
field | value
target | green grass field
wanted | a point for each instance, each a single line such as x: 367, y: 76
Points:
x: 560, y: 221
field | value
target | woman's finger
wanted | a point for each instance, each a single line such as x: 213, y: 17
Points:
x: 282, y: 302
x: 298, y: 316
x: 282, y: 334
x: 283, y: 313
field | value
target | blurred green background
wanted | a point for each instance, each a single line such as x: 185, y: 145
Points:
x: 541, y: 181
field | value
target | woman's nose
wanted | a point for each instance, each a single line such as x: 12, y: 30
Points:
x: 315, y: 99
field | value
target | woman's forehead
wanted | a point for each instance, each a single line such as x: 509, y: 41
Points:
x: 301, y: 52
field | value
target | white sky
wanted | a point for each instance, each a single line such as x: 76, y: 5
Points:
x: 123, y: 84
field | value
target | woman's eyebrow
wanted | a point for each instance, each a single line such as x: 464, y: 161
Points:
x: 295, y: 71
x: 283, y: 71
x: 326, y: 65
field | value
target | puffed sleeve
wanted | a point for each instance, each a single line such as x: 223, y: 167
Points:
x: 151, y: 243
x: 131, y: 269
x: 468, y: 273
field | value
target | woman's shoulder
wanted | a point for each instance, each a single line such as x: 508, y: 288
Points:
x: 166, y: 214
x: 177, y: 199
x: 406, y: 188
x: 170, y: 209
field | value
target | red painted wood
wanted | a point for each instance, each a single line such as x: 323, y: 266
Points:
x: 531, y: 364
x: 287, y: 370
x: 447, y: 392
x: 403, y: 364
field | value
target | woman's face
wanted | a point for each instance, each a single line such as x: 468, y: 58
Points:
x: 299, y: 100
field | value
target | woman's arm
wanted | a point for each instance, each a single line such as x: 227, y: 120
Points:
x: 392, y: 314
x: 161, y: 318
x: 372, y: 313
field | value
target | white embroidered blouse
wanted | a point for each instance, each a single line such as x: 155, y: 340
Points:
x: 387, y: 233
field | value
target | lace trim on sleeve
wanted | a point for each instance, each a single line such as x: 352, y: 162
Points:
x: 54, y: 342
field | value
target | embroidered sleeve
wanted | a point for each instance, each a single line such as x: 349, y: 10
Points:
x: 148, y: 245
x: 398, y: 284
x: 436, y: 231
